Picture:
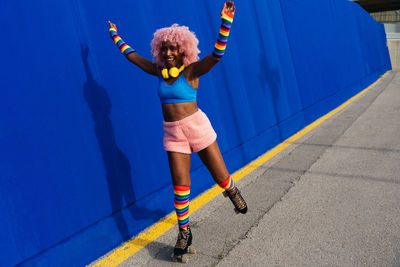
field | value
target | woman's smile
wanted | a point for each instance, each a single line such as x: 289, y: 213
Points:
x: 170, y: 60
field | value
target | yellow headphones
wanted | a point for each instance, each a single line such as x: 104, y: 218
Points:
x: 173, y: 72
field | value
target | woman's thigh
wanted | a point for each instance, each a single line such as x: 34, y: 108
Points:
x: 179, y: 166
x: 212, y: 158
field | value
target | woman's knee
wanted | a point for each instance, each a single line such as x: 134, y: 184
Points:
x: 181, y: 179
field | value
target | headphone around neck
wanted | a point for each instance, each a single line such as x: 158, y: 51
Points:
x: 173, y: 72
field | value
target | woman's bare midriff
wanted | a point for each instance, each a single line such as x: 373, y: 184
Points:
x: 178, y: 111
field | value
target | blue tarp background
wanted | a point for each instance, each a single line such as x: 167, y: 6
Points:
x: 82, y: 166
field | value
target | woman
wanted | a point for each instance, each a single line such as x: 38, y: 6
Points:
x: 186, y: 128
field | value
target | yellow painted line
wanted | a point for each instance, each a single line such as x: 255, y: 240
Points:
x: 145, y: 237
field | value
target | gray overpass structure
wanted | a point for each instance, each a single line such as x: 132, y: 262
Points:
x: 372, y: 6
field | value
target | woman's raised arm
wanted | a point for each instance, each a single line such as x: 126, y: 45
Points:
x: 130, y: 53
x: 203, y: 66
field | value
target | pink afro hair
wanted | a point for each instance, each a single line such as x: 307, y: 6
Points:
x: 180, y: 35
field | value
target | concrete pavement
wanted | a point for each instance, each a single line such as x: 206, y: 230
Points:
x: 332, y: 198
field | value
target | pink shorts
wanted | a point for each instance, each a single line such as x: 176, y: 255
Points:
x: 191, y: 134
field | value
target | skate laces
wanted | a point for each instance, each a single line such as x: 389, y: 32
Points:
x: 183, y: 237
x: 237, y: 199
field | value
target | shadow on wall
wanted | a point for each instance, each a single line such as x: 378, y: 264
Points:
x: 269, y: 76
x: 117, y: 166
x: 270, y: 81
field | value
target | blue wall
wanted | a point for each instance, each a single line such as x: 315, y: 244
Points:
x: 82, y: 166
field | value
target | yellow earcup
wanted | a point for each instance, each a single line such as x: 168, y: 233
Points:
x: 174, y: 72
x: 164, y: 73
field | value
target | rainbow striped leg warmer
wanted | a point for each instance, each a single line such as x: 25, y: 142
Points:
x: 228, y: 184
x: 125, y: 49
x: 220, y: 45
x: 181, y: 202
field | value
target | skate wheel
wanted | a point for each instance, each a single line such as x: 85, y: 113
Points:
x: 225, y: 194
x: 184, y: 259
x: 192, y: 250
x: 179, y: 258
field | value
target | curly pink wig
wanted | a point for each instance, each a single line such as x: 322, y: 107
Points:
x: 180, y: 35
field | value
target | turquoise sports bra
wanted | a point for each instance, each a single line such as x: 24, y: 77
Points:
x: 179, y: 91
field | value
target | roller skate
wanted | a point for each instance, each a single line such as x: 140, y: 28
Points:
x: 237, y: 200
x: 183, y: 246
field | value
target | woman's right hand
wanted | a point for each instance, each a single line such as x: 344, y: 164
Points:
x: 229, y: 7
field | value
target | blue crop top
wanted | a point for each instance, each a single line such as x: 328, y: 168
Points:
x: 179, y: 91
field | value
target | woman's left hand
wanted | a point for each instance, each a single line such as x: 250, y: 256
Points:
x: 112, y: 25
x: 229, y: 7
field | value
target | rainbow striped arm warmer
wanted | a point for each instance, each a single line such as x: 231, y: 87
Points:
x: 220, y: 45
x: 125, y: 49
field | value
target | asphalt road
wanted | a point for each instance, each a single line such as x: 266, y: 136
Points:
x: 332, y: 198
